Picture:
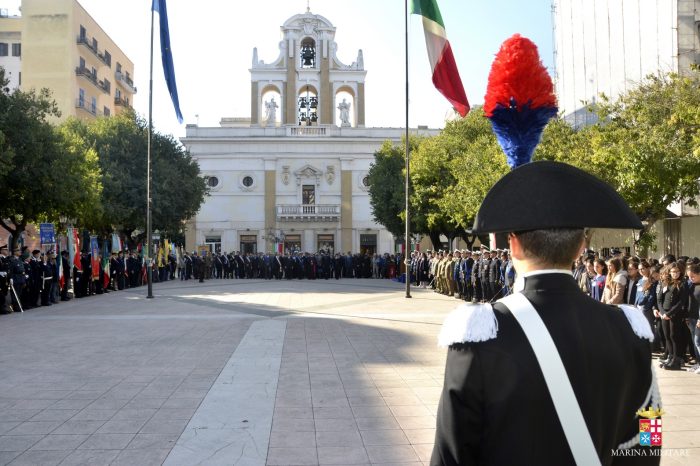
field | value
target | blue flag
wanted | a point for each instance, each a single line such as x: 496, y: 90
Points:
x: 166, y: 55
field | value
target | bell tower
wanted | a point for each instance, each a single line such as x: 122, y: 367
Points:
x: 307, y: 82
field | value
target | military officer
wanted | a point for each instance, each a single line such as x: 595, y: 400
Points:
x: 4, y: 279
x: 546, y: 376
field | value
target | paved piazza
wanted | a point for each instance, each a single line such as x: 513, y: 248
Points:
x: 243, y: 372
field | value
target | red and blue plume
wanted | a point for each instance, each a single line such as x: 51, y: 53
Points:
x: 519, y: 99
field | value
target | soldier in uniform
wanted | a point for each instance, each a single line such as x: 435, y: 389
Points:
x: 18, y: 278
x: 546, y: 376
x: 4, y: 279
x: 65, y: 265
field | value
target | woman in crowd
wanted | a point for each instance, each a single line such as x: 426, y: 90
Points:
x: 645, y: 299
x: 598, y: 282
x: 586, y: 279
x: 671, y: 303
x: 614, y: 292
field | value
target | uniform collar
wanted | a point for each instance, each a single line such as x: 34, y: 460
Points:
x: 520, y: 278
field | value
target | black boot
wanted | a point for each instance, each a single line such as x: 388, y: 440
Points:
x: 674, y: 365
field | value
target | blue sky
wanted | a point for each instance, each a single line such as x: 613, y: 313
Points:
x: 213, y: 40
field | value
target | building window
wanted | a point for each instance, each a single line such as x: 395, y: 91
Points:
x: 81, y: 98
x: 83, y: 33
x: 16, y: 50
x: 249, y: 244
x: 325, y: 243
x: 93, y: 105
x: 368, y: 244
x: 108, y: 59
x: 214, y: 243
x: 292, y: 244
x: 212, y: 181
x: 106, y: 111
x: 107, y: 86
x: 308, y: 194
x: 94, y: 44
x: 82, y: 63
x: 119, y: 67
x: 118, y: 93
x: 248, y: 181
x: 365, y: 181
x: 3, y: 49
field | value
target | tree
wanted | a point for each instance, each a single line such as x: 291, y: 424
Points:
x: 177, y: 189
x: 386, y: 187
x: 44, y: 173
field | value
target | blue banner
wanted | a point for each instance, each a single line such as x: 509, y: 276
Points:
x: 47, y: 234
x: 166, y: 55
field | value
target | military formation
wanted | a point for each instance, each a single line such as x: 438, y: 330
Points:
x: 477, y: 276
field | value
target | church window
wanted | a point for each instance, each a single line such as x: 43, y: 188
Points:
x: 248, y: 181
x: 212, y: 181
x: 308, y: 53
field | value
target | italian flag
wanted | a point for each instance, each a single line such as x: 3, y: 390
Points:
x: 445, y: 74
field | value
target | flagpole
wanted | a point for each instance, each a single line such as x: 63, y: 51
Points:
x: 149, y: 278
x: 407, y: 239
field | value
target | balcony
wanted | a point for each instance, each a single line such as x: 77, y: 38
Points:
x: 122, y: 102
x: 83, y: 71
x: 105, y: 86
x: 83, y: 40
x: 308, y: 213
x: 125, y: 81
x: 313, y: 131
x: 87, y: 107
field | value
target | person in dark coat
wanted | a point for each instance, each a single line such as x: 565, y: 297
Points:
x: 66, y: 275
x: 4, y: 279
x: 497, y: 406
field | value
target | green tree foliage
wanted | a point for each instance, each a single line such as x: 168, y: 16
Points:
x: 43, y: 172
x: 646, y: 144
x: 386, y: 187
x: 121, y: 141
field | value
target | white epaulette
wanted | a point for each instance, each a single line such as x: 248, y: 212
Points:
x: 468, y: 323
x: 638, y: 321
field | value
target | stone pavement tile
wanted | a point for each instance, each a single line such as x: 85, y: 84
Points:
x: 153, y: 441
x: 78, y: 426
x: 21, y: 415
x: 291, y: 424
x: 106, y: 442
x: 687, y: 439
x: 332, y: 412
x: 384, y: 437
x: 182, y: 403
x: 335, y: 425
x: 416, y: 422
x: 367, y: 400
x: 117, y: 426
x: 417, y: 436
x: 106, y: 403
x: 150, y: 457
x: 130, y: 414
x: 371, y: 411
x: 60, y: 442
x: 89, y: 414
x: 71, y: 404
x: 51, y: 394
x: 90, y: 458
x: 342, y: 455
x: 143, y: 402
x: 7, y: 426
x: 391, y: 453
x: 18, y: 442
x: 346, y: 438
x: 40, y: 458
x: 33, y: 404
x: 292, y: 439
x: 189, y: 393
x: 297, y: 413
x: 376, y: 423
x: 7, y: 456
x: 424, y: 451
x: 55, y: 415
x: 164, y: 426
x: 403, y: 400
x: 408, y: 410
x: 173, y: 413
x: 291, y: 456
x: 35, y: 427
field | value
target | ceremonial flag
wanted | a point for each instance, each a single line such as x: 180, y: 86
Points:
x: 59, y: 266
x: 166, y: 55
x: 116, y: 243
x: 445, y: 73
x: 105, y: 264
x: 76, y: 250
x: 95, y: 251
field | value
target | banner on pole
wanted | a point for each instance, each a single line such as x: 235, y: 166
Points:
x: 47, y: 233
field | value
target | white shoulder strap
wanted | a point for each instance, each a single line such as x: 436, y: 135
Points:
x: 565, y: 403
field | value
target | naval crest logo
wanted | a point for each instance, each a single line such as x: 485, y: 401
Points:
x: 650, y: 434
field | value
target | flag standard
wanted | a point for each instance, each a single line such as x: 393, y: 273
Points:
x: 167, y: 55
x: 94, y: 260
x: 445, y: 73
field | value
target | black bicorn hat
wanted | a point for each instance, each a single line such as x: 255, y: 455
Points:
x: 543, y: 195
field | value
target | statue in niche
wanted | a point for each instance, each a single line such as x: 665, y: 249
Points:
x: 271, y: 111
x: 330, y: 174
x: 344, y: 108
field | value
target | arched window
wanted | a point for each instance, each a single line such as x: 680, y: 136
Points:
x: 270, y: 106
x: 307, y: 53
x: 345, y: 107
x: 308, y: 106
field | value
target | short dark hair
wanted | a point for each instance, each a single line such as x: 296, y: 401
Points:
x: 694, y: 268
x: 554, y: 246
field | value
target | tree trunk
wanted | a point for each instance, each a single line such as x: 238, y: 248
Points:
x: 435, y: 239
x: 16, y: 232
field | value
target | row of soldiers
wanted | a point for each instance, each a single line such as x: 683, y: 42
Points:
x: 480, y: 276
x: 268, y: 266
x: 26, y: 280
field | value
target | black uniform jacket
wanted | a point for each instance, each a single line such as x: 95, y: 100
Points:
x: 496, y: 409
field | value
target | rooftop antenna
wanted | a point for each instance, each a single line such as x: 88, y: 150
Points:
x: 308, y: 8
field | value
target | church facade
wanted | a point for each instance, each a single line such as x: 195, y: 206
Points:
x: 293, y: 176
